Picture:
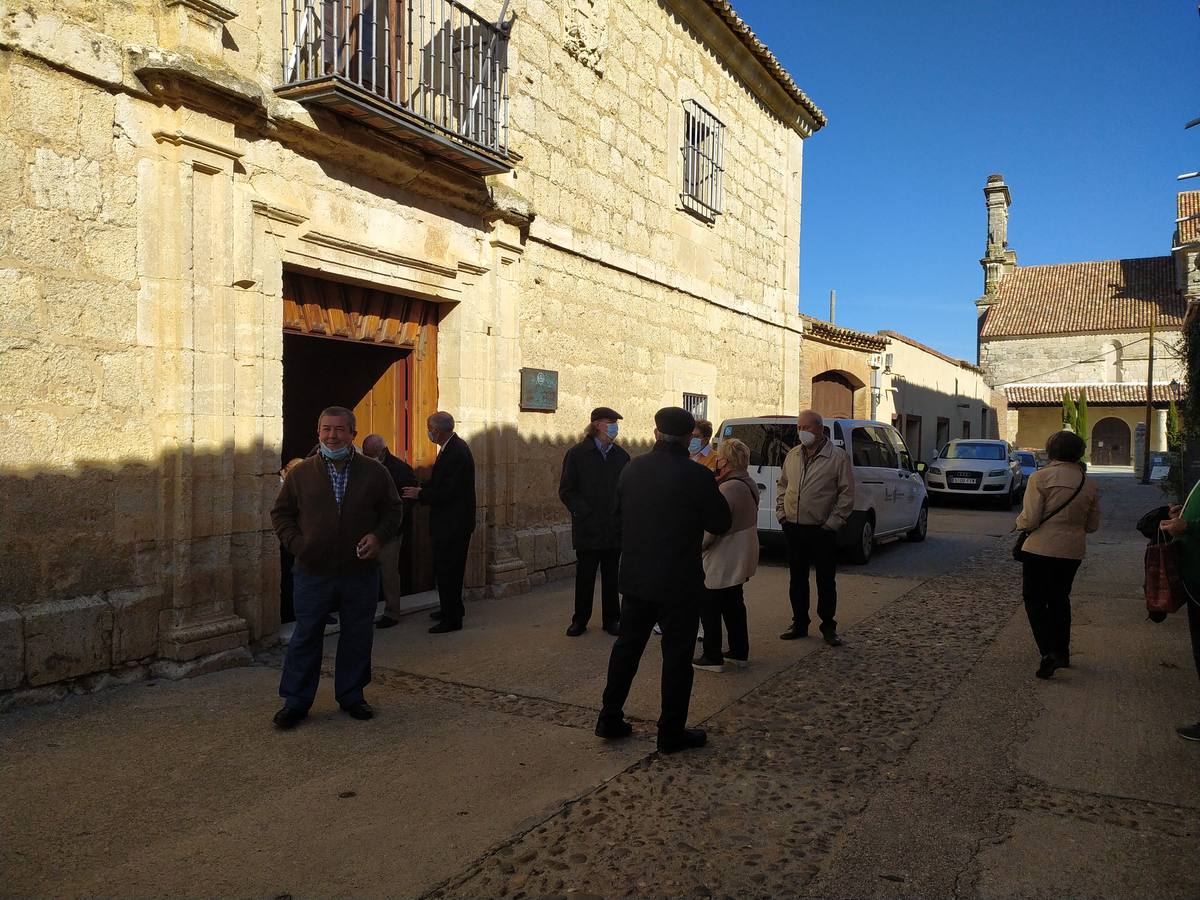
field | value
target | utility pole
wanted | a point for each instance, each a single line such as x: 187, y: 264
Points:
x: 1149, y: 403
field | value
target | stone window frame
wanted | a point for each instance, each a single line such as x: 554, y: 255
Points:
x: 702, y: 169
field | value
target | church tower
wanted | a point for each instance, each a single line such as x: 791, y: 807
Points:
x: 998, y: 260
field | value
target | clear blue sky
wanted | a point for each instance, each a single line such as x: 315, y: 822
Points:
x: 1080, y: 104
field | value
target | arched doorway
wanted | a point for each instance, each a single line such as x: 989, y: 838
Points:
x: 1111, y: 443
x: 833, y: 395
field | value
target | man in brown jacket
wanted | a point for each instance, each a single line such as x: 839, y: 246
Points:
x: 334, y: 512
x: 814, y: 499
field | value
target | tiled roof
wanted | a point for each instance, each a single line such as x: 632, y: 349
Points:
x: 1122, y: 394
x: 887, y: 332
x: 1110, y: 295
x: 763, y: 54
x: 845, y: 337
x: 1188, y: 204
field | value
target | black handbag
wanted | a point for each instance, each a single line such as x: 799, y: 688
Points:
x: 1018, y: 551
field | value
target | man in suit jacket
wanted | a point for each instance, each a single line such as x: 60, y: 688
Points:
x: 403, y: 476
x: 588, y: 489
x: 450, y: 494
x: 334, y: 512
x: 667, y: 502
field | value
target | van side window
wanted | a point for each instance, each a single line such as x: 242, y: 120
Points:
x: 898, y: 445
x: 867, y: 451
x: 889, y: 458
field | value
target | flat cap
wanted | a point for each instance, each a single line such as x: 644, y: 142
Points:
x: 605, y: 412
x: 675, y: 421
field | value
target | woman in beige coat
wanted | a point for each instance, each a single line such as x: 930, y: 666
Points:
x: 1062, y: 506
x: 729, y: 561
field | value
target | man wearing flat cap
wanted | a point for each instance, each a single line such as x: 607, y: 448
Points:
x: 667, y: 502
x: 588, y: 488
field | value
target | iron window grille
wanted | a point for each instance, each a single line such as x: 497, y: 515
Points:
x: 697, y: 405
x: 703, y: 162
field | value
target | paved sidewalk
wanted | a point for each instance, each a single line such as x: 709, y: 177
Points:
x: 922, y: 760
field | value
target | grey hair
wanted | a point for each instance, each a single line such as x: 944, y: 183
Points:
x: 682, y: 439
x: 373, y: 440
x: 816, y: 415
x: 442, y: 421
x: 339, y: 412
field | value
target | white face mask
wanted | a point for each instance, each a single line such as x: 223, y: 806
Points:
x: 806, y: 437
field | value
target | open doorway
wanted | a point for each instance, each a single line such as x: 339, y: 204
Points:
x: 376, y: 353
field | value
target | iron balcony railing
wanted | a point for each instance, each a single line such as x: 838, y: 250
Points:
x: 433, y: 59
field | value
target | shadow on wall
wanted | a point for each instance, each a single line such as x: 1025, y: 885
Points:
x: 119, y: 570
x: 929, y: 404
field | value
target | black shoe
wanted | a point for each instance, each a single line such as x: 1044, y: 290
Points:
x: 708, y: 665
x: 437, y: 615
x: 1189, y: 732
x: 445, y: 626
x: 613, y: 628
x: 796, y: 631
x: 386, y: 622
x: 1046, y: 669
x: 361, y: 710
x: 613, y: 729
x: 832, y: 638
x: 289, y: 717
x: 575, y: 629
x: 690, y: 739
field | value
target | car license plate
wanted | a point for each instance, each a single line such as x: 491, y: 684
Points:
x: 961, y: 479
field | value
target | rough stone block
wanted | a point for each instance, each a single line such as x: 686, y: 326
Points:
x: 560, y: 573
x: 12, y: 648
x: 545, y: 549
x: 135, y: 623
x: 526, y: 547
x: 67, y: 638
x: 565, y: 552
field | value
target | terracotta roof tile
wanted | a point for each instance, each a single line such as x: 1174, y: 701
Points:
x: 1110, y: 295
x: 1188, y: 204
x: 770, y: 62
x: 847, y: 337
x: 1122, y: 394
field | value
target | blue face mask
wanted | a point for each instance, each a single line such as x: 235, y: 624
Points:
x: 432, y: 439
x: 340, y: 453
x: 611, y: 430
x: 694, y: 445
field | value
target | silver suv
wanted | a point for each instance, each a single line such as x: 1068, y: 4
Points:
x: 976, y: 468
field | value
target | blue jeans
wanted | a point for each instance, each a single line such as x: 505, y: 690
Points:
x: 314, y: 597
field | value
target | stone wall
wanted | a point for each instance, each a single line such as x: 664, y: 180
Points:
x: 1066, y: 358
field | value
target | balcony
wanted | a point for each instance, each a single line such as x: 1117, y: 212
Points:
x: 430, y: 72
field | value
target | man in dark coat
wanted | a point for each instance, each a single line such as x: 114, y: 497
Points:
x: 588, y: 488
x: 450, y: 494
x: 334, y: 512
x: 667, y: 502
x: 403, y: 476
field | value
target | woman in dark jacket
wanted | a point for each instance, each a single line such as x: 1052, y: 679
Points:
x: 588, y: 489
x: 1184, y: 526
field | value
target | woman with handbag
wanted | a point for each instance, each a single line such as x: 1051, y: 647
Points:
x: 1061, y: 508
x: 1183, y: 525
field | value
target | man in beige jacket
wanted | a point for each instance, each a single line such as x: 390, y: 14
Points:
x: 815, y: 497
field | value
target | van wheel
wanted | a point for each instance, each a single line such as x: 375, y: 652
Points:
x: 866, y: 542
x: 922, y: 527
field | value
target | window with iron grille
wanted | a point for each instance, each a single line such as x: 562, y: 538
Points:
x: 697, y: 405
x: 703, y: 172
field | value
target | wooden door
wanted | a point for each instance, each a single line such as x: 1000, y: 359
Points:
x: 1111, y: 443
x: 833, y: 396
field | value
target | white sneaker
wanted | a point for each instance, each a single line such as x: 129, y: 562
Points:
x: 658, y: 629
x: 740, y: 663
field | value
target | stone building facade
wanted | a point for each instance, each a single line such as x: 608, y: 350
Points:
x: 220, y: 221
x: 1050, y: 330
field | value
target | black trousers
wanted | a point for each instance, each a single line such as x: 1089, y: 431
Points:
x: 679, y: 620
x: 1193, y: 614
x: 729, y: 604
x: 1046, y: 586
x: 449, y: 569
x: 587, y: 562
x: 808, y: 546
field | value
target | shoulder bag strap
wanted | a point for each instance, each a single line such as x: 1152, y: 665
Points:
x: 1047, y: 518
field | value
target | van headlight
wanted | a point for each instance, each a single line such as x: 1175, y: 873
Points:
x: 997, y: 473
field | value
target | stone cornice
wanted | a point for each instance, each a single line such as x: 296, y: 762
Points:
x: 370, y: 251
x: 715, y: 32
x: 206, y: 9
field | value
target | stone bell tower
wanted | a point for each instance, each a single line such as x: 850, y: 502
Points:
x: 998, y: 260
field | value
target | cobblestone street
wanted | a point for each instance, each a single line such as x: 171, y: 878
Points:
x: 921, y: 760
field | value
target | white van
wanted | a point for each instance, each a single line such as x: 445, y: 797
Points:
x: 889, y: 494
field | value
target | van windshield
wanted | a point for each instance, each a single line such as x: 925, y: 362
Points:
x: 968, y: 450
x: 769, y: 442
